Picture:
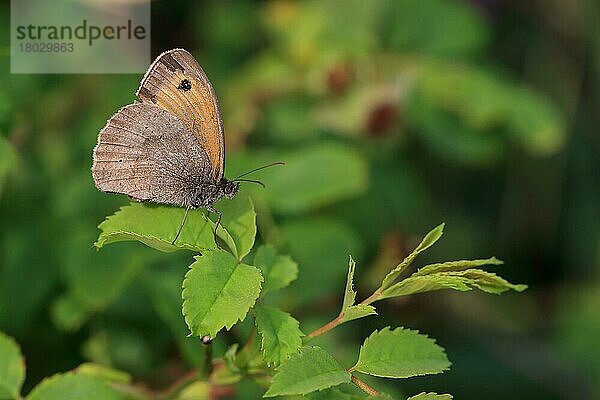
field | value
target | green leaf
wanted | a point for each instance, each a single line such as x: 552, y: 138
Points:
x: 103, y: 372
x: 457, y: 280
x: 350, y: 311
x: 217, y: 292
x: 277, y: 270
x: 427, y: 283
x: 156, y: 226
x: 535, y: 122
x: 72, y: 386
x: 400, y: 353
x: 428, y: 241
x: 456, y: 266
x: 357, y: 311
x: 349, y: 293
x: 239, y: 221
x: 483, y: 106
x: 430, y: 396
x: 488, y: 281
x: 316, y: 176
x: 452, y: 138
x: 68, y: 313
x: 304, y: 372
x: 280, y: 333
x: 12, y: 368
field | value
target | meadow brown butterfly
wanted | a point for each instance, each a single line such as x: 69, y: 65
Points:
x: 168, y: 146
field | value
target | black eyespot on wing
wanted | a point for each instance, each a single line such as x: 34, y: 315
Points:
x: 185, y: 85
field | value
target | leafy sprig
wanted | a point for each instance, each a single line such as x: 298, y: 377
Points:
x: 224, y: 285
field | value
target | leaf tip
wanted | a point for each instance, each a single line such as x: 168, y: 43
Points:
x: 496, y: 261
x: 520, y: 287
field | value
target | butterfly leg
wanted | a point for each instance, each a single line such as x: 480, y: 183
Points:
x: 220, y: 214
x: 218, y: 222
x: 187, y: 210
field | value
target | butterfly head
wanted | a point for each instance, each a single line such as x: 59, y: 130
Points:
x: 229, y: 188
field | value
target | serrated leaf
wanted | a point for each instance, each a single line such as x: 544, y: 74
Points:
x: 350, y: 311
x: 430, y: 396
x: 72, y: 386
x: 12, y: 368
x: 488, y: 281
x: 156, y: 226
x: 457, y: 280
x: 456, y: 266
x: 357, y: 311
x: 217, y: 292
x: 239, y: 221
x: 428, y: 241
x: 427, y: 283
x: 277, y: 270
x: 400, y: 353
x: 307, y: 371
x: 280, y: 333
x: 349, y: 292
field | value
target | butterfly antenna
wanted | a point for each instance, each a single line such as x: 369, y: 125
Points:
x: 249, y: 180
x: 259, y: 168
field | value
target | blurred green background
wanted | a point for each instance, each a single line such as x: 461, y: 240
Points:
x: 392, y: 116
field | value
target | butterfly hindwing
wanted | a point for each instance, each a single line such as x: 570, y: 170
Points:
x: 149, y: 154
x: 176, y: 82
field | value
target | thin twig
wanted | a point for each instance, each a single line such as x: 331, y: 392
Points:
x: 372, y: 298
x: 339, y: 319
x: 325, y: 328
x: 363, y: 386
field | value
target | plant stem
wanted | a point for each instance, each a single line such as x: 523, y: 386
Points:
x: 338, y: 320
x: 372, y: 298
x: 325, y: 328
x: 363, y: 386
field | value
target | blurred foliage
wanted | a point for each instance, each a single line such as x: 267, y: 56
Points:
x: 391, y: 116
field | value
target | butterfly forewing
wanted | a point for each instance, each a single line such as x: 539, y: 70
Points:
x: 149, y: 154
x: 176, y: 82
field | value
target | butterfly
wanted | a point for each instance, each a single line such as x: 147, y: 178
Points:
x: 168, y: 146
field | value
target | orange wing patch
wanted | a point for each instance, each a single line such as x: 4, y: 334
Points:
x: 176, y: 82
